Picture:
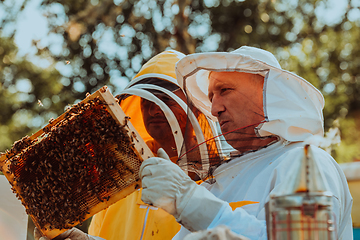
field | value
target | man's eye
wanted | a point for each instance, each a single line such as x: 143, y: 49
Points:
x: 166, y: 99
x: 224, y: 90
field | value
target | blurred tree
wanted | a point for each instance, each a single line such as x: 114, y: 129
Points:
x: 106, y: 42
x: 28, y: 95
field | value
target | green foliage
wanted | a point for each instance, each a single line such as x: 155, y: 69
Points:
x: 106, y: 42
x: 348, y: 149
x: 20, y: 112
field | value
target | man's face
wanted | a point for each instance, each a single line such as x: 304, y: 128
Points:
x: 155, y: 121
x: 237, y: 101
x: 158, y: 126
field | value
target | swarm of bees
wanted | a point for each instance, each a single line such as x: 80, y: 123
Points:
x: 75, y: 164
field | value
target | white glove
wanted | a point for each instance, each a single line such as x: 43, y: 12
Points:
x: 166, y: 186
x: 71, y: 234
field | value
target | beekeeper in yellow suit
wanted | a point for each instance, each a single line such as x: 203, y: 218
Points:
x: 157, y: 108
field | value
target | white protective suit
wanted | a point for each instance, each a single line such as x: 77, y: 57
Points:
x: 293, y: 111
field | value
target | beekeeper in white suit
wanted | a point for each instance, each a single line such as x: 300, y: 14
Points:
x: 265, y: 113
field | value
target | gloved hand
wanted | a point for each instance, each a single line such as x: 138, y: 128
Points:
x: 71, y: 234
x: 218, y: 233
x: 166, y: 186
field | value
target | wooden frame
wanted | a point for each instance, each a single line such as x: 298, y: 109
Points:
x: 140, y: 147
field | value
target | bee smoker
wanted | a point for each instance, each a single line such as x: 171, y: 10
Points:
x: 302, y: 208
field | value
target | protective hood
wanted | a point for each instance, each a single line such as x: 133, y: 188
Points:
x: 292, y: 106
x: 160, y: 66
x: 157, y: 108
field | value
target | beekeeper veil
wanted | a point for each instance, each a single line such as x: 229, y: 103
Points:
x: 157, y: 108
x: 291, y: 108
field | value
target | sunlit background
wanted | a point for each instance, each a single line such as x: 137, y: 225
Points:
x: 53, y: 52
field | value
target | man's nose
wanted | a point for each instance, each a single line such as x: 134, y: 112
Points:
x: 217, y: 107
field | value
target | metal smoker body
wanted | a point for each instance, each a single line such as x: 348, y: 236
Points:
x: 302, y: 208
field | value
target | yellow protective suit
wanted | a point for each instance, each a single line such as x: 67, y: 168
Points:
x: 130, y: 218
